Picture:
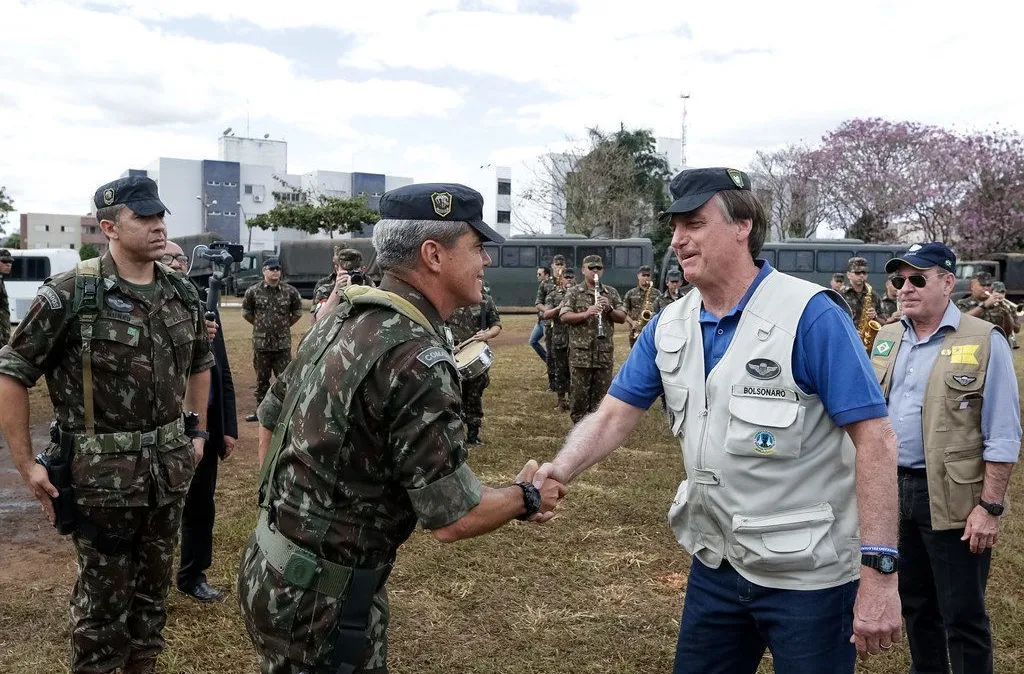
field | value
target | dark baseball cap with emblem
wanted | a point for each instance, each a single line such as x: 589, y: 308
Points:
x: 138, y: 193
x: 925, y: 256
x: 438, y: 201
x: 692, y: 188
x: 5, y: 255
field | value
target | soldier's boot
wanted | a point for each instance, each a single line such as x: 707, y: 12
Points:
x: 473, y: 435
x: 561, y: 405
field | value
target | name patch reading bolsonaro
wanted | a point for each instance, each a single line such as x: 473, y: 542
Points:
x: 770, y: 392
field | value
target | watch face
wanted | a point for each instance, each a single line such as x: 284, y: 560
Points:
x: 886, y: 563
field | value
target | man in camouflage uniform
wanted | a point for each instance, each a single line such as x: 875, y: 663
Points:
x: 376, y: 445
x: 481, y: 322
x: 986, y: 304
x: 272, y: 307
x: 999, y: 288
x: 559, y: 351
x: 637, y: 299
x: 838, y: 282
x: 6, y: 260
x: 890, y: 311
x: 673, y: 289
x: 857, y: 274
x: 118, y: 409
x: 590, y: 357
x: 545, y: 284
x: 347, y: 261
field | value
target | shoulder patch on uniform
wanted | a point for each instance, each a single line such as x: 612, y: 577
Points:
x: 434, y: 355
x: 51, y: 297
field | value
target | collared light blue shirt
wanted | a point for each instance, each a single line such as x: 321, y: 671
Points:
x: 1000, y: 410
x: 829, y: 359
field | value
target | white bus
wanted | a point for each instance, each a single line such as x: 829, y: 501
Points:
x: 32, y: 267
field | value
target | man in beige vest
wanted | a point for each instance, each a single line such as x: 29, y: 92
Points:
x: 789, y: 507
x: 936, y: 366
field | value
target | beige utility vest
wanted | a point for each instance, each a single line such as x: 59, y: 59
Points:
x: 770, y: 478
x: 950, y: 415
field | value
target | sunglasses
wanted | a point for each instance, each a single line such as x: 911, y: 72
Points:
x: 594, y: 267
x: 862, y: 272
x: 916, y: 280
x: 167, y: 259
x: 274, y: 268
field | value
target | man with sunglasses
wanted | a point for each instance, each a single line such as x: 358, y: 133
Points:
x: 857, y: 292
x: 789, y: 506
x: 272, y: 307
x: 936, y: 366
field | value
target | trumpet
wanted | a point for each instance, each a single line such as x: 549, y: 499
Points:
x: 597, y: 294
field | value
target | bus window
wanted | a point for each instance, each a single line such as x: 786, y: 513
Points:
x: 831, y: 261
x: 518, y: 256
x: 628, y: 257
x: 547, y: 253
x: 877, y: 260
x: 492, y: 252
x: 796, y: 260
x: 30, y: 269
x: 604, y: 251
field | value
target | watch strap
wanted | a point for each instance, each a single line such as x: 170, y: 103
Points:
x: 531, y: 500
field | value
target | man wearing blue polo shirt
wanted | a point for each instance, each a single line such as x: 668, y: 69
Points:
x: 789, y: 507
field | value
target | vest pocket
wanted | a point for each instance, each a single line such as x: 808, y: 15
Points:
x: 789, y: 540
x: 763, y: 427
x: 675, y: 401
x: 670, y: 353
x: 964, y: 480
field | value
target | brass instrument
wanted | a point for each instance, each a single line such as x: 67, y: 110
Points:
x: 600, y: 321
x: 867, y: 328
x: 646, y: 312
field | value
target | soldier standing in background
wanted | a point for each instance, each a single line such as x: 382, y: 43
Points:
x: 121, y: 342
x: 634, y: 301
x: 838, y: 282
x: 545, y: 284
x: 858, y: 290
x: 559, y: 351
x: 272, y: 307
x: 986, y: 304
x: 1013, y: 326
x: 482, y: 323
x: 673, y: 289
x: 890, y: 306
x: 346, y: 261
x: 6, y: 260
x: 591, y: 357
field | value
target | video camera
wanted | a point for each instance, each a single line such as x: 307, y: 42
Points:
x: 223, y: 255
x: 357, y: 277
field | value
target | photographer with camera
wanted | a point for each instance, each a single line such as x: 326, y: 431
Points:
x: 348, y: 270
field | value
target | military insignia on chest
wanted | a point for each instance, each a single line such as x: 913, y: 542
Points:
x: 119, y: 304
x: 764, y: 442
x: 763, y: 368
x: 964, y: 379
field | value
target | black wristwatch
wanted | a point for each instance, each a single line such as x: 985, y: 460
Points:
x: 883, y: 562
x: 531, y: 500
x: 192, y: 426
x: 994, y: 509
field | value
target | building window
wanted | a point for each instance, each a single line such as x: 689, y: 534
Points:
x: 628, y: 257
x: 504, y: 187
x: 71, y: 246
x: 248, y: 189
x: 504, y: 216
x: 518, y: 256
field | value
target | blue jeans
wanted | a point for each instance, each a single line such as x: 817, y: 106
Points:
x: 728, y: 622
x: 535, y: 341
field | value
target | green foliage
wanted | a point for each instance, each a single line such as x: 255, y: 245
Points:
x: 327, y: 215
x: 6, y: 206
x: 13, y: 241
x: 88, y: 251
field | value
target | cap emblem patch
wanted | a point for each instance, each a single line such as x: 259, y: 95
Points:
x: 442, y: 202
x: 736, y: 176
x: 108, y: 196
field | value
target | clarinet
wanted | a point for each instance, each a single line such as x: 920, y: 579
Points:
x: 600, y: 321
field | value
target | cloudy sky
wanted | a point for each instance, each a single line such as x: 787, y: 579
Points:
x: 433, y: 89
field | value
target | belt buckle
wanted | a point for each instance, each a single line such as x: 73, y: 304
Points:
x: 148, y: 439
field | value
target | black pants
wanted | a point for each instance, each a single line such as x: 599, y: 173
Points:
x: 942, y: 587
x: 197, y: 522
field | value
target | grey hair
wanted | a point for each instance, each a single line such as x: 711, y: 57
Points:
x: 744, y: 205
x: 111, y: 213
x: 398, y: 241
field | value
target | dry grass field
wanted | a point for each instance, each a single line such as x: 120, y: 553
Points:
x: 598, y: 589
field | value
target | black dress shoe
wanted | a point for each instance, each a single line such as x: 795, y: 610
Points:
x: 203, y: 592
x: 252, y: 417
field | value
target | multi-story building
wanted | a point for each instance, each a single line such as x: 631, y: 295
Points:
x: 495, y: 184
x: 60, y: 230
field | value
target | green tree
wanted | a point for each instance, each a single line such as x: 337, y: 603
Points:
x: 13, y: 241
x: 6, y: 206
x: 327, y: 215
x: 88, y: 251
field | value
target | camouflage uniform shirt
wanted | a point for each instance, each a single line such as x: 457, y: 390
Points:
x: 996, y: 315
x: 466, y: 321
x: 888, y: 306
x: 585, y: 349
x: 559, y: 330
x: 5, y: 313
x: 543, y: 288
x: 272, y: 309
x: 143, y: 351
x: 634, y: 302
x: 856, y: 301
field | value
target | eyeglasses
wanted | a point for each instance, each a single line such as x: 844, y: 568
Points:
x: 273, y: 269
x: 862, y: 272
x: 594, y: 267
x: 168, y: 259
x: 916, y: 280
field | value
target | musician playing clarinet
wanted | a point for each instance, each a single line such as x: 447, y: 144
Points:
x: 591, y: 309
x: 478, y: 323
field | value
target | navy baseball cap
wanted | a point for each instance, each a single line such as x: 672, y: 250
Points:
x: 138, y: 193
x: 271, y: 262
x: 925, y: 256
x: 438, y: 201
x: 692, y: 188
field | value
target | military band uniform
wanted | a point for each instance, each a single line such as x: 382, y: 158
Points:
x: 997, y: 314
x: 272, y: 310
x: 856, y: 301
x: 543, y: 288
x: 464, y: 323
x: 887, y: 307
x: 131, y: 477
x: 634, y: 303
x: 377, y: 445
x: 590, y: 359
x: 559, y: 351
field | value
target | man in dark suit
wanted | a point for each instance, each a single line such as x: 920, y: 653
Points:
x: 222, y: 425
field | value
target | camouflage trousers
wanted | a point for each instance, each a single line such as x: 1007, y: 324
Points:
x: 291, y: 627
x: 560, y: 358
x: 550, y: 360
x: 266, y: 363
x: 5, y: 330
x: 473, y: 399
x: 587, y: 387
x: 124, y: 571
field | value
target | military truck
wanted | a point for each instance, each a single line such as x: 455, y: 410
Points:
x: 1005, y: 267
x: 303, y: 263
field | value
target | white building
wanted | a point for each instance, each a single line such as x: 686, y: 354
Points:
x: 672, y: 150
x: 494, y: 183
x: 60, y: 230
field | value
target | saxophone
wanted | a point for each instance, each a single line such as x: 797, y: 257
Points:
x: 646, y: 312
x: 866, y: 327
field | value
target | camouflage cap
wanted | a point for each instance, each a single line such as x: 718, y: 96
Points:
x: 593, y: 259
x: 349, y: 256
x: 857, y: 264
x: 558, y: 259
x: 644, y: 269
x: 5, y: 255
x: 998, y: 287
x: 674, y: 275
x: 839, y: 277
x: 568, y: 272
x: 983, y: 277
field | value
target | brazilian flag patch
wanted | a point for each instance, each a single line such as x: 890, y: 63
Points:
x: 883, y: 348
